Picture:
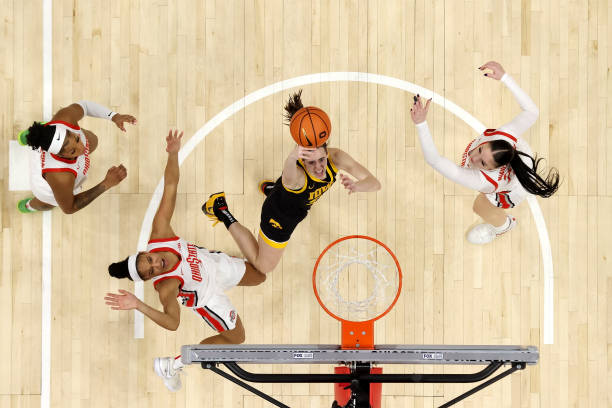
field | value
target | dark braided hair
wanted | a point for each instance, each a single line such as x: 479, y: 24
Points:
x: 120, y: 269
x: 504, y: 153
x: 40, y: 135
x: 293, y: 105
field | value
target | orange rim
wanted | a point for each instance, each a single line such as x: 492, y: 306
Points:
x: 314, y: 277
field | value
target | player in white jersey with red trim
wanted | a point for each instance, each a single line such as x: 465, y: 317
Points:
x: 180, y: 269
x: 59, y: 162
x: 499, y: 163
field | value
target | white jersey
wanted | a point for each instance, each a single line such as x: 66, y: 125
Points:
x: 203, y: 277
x: 195, y: 270
x: 43, y: 162
x: 486, y: 181
x: 502, y: 178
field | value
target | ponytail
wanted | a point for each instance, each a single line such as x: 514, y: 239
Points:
x: 530, y: 179
x: 293, y: 105
x: 119, y: 270
x: 504, y: 153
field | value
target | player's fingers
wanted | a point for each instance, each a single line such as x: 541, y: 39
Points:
x: 427, y: 104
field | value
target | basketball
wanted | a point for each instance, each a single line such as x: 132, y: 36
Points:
x: 310, y: 127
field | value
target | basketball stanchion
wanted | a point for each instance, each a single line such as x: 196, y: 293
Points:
x: 357, y: 280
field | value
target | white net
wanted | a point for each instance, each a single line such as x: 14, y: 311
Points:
x: 357, y: 279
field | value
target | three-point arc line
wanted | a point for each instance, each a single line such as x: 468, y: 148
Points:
x: 349, y: 77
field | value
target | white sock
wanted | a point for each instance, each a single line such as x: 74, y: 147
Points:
x: 502, y: 228
x: 29, y: 207
x: 178, y: 364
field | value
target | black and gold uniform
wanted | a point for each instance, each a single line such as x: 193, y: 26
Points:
x: 284, y: 208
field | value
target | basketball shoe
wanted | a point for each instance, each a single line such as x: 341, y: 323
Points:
x: 164, y: 367
x: 484, y: 233
x: 216, y: 209
x: 266, y: 187
x: 22, y: 206
x: 22, y: 137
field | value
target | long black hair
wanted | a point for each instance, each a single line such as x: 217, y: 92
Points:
x: 120, y: 269
x: 504, y: 153
x: 40, y: 135
x: 293, y: 105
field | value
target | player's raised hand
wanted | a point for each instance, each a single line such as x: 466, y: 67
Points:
x: 173, y: 141
x: 418, y: 112
x: 348, y: 183
x: 115, y: 175
x: 119, y: 120
x: 497, y: 71
x: 123, y: 301
x: 306, y: 153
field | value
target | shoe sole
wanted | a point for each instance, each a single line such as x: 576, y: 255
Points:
x: 157, y: 367
x: 207, y: 207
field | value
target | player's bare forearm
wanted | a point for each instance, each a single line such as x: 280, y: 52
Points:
x: 172, y: 173
x: 291, y: 172
x: 83, y: 199
x: 368, y: 184
x: 164, y: 320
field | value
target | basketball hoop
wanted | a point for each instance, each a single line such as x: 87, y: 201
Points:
x: 357, y: 280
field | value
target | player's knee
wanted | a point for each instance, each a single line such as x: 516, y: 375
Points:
x: 236, y: 335
x: 260, y: 277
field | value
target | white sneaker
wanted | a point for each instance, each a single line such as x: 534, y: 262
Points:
x: 481, y: 234
x: 164, y: 367
x: 484, y: 233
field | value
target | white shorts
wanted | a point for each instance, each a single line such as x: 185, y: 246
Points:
x: 508, y: 199
x: 40, y: 188
x: 219, y: 312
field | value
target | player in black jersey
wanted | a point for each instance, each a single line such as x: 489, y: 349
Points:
x: 307, y: 174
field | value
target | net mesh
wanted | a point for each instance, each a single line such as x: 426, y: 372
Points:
x: 357, y: 279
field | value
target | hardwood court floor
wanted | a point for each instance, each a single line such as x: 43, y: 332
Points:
x: 177, y: 64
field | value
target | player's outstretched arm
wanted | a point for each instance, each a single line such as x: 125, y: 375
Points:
x: 161, y: 222
x: 466, y: 177
x: 293, y: 177
x: 365, y: 182
x: 76, y: 111
x: 529, y: 111
x: 168, y: 290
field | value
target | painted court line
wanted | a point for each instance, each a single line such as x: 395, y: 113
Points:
x: 47, y: 95
x: 353, y: 77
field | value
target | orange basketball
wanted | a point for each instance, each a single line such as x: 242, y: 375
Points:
x: 310, y: 127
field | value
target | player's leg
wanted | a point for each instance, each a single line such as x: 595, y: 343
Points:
x: 233, y: 336
x: 496, y: 221
x: 495, y: 216
x: 263, y: 256
x: 252, y: 276
x: 246, y: 242
x: 269, y: 255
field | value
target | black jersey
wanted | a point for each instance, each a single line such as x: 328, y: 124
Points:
x: 309, y: 193
x: 285, y: 208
